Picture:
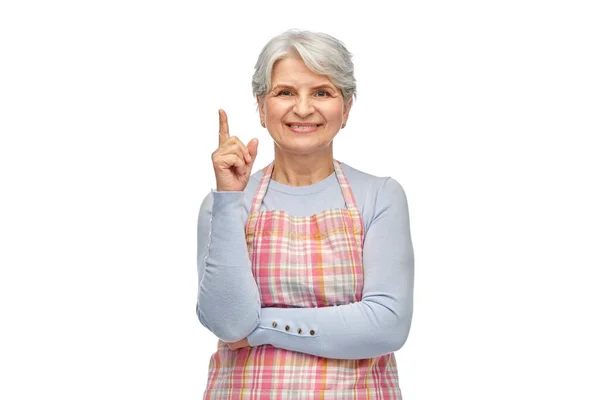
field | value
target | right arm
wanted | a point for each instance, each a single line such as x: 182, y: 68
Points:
x: 228, y: 298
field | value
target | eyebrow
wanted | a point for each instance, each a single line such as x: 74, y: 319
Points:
x: 288, y: 86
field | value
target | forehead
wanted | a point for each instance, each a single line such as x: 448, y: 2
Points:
x: 293, y: 71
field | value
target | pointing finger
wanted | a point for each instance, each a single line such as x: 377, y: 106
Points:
x: 223, y: 127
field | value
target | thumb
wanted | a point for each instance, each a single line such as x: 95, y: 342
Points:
x: 253, y: 148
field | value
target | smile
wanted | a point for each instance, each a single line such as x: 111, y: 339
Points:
x: 303, y: 128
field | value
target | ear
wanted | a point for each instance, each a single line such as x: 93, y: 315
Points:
x: 261, y: 109
x: 347, y: 108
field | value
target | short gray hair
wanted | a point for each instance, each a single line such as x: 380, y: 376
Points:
x: 323, y: 54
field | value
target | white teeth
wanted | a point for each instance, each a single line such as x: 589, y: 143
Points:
x: 303, y: 126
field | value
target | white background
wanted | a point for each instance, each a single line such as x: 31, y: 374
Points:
x: 487, y: 113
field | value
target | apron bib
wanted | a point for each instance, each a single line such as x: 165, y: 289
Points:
x: 313, y: 261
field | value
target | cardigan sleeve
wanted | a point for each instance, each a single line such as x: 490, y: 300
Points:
x: 228, y: 299
x: 380, y: 322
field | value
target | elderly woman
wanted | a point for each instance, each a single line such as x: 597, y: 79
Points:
x: 306, y: 266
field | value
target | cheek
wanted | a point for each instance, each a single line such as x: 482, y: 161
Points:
x: 334, y: 113
x: 273, y: 111
x: 334, y: 108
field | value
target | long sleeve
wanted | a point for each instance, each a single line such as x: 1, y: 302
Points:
x: 228, y: 298
x: 380, y: 322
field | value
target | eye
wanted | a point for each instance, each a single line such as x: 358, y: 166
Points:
x: 322, y: 93
x: 284, y: 92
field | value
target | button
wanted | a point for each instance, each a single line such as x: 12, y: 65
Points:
x: 312, y: 332
x: 274, y: 324
x: 287, y: 327
x: 299, y: 330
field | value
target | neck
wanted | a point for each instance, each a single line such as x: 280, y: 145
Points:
x: 302, y: 169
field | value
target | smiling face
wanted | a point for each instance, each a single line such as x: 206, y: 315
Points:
x: 304, y: 110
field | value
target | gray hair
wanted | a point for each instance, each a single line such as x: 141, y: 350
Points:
x: 322, y: 54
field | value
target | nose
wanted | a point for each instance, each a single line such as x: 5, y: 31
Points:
x: 303, y: 107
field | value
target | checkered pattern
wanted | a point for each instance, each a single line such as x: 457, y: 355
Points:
x: 313, y: 261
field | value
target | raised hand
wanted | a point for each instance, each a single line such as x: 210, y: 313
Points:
x: 232, y: 161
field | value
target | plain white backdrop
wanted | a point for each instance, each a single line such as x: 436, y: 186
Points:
x: 487, y: 113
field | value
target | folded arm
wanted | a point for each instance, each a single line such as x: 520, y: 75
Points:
x: 376, y: 325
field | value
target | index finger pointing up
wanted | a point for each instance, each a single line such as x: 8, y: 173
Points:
x: 223, y: 127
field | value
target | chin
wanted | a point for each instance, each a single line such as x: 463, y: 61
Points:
x: 305, y: 149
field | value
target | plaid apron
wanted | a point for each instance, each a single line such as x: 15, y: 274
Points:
x: 313, y: 261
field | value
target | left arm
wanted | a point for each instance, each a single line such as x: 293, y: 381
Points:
x: 380, y: 322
